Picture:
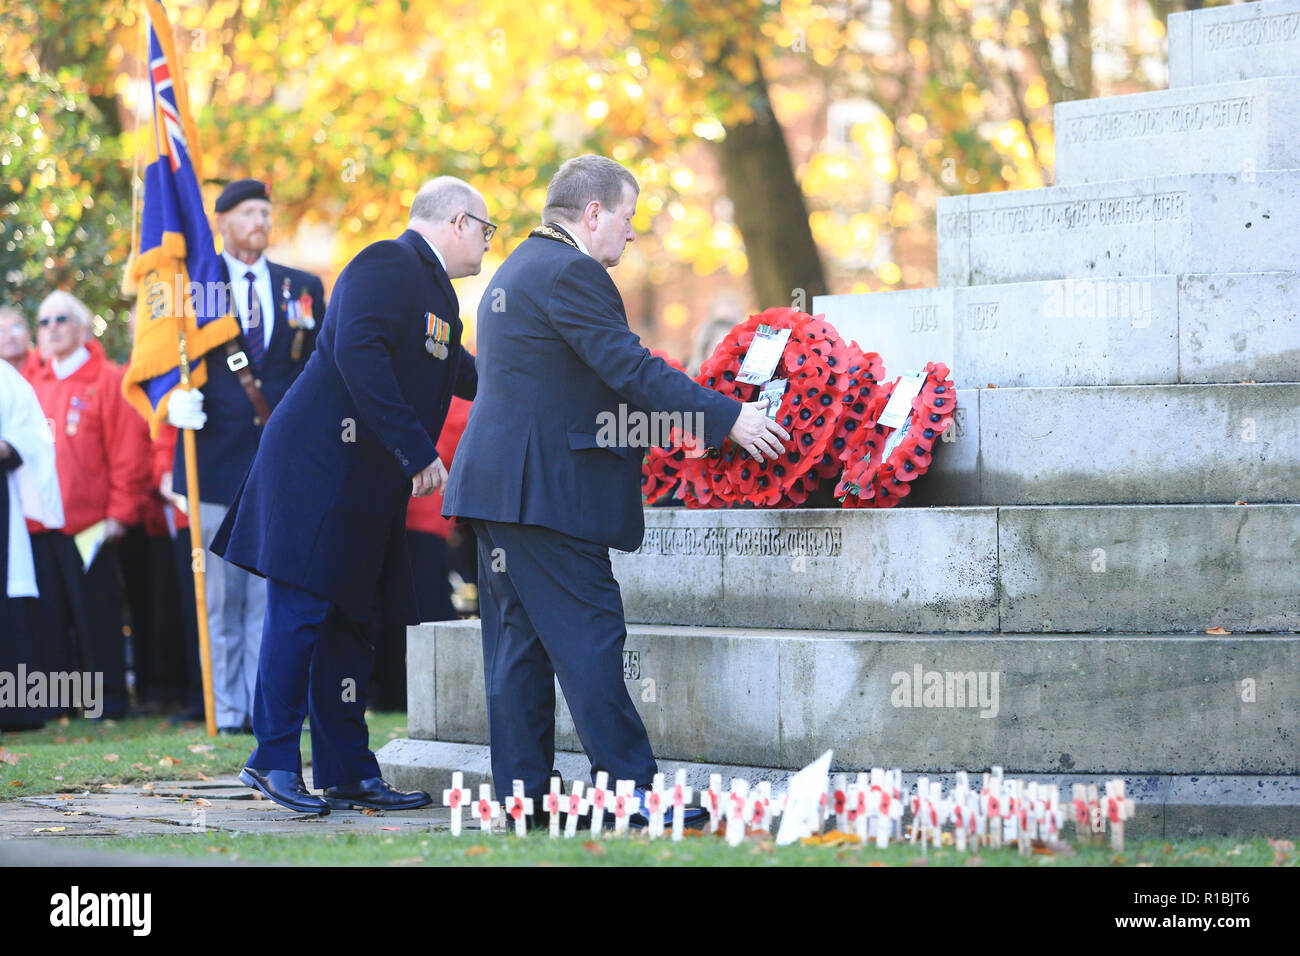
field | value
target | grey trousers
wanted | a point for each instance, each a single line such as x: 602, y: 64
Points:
x: 236, y: 609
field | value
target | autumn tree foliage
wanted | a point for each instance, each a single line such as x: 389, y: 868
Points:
x: 833, y: 124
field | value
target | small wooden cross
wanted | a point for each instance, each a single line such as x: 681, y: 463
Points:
x: 958, y: 811
x: 1025, y: 817
x: 1082, y: 815
x: 936, y: 813
x: 576, y: 807
x: 655, y: 805
x: 679, y: 797
x: 858, y: 800
x: 711, y: 800
x: 840, y: 803
x: 1118, y: 809
x: 765, y: 795
x: 518, y: 807
x: 600, y: 796
x: 736, y: 811
x: 551, y: 804
x: 995, y: 811
x: 1095, y: 813
x: 918, y: 801
x: 626, y: 803
x: 486, y: 809
x: 456, y: 798
x: 878, y: 805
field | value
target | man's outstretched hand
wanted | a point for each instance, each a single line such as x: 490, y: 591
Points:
x: 429, y: 480
x: 756, y: 433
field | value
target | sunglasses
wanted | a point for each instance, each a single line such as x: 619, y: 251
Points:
x: 53, y: 318
x: 489, y: 230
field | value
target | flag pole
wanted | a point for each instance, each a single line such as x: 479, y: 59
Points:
x: 198, y: 559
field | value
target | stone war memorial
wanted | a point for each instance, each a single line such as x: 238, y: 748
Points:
x: 1099, y: 576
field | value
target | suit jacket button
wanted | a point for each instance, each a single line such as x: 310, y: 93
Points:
x: 257, y: 420
x: 257, y: 382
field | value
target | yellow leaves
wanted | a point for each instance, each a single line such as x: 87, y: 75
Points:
x: 1036, y: 94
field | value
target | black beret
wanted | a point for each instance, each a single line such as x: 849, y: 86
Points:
x: 242, y: 189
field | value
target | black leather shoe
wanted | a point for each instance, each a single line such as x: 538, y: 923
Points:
x: 285, y: 787
x: 374, y: 794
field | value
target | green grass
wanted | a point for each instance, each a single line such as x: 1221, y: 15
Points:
x: 71, y: 755
x: 471, y: 849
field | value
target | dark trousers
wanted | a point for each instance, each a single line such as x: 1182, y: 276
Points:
x: 18, y: 647
x: 314, y: 661
x: 551, y: 608
x: 158, y: 630
x: 79, y: 614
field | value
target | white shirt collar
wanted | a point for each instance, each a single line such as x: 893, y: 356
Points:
x: 65, y: 367
x: 441, y: 260
x: 260, y: 269
x: 568, y: 232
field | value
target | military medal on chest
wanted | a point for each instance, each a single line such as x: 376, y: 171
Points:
x: 299, y: 314
x: 437, y: 336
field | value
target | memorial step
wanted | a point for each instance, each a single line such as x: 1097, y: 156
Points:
x: 1197, y: 222
x: 1125, y: 444
x: 1170, y: 807
x: 1226, y: 327
x: 1236, y: 127
x: 1235, y: 42
x: 1094, y: 703
x: 1051, y: 568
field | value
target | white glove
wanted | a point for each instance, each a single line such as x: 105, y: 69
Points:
x: 185, y: 409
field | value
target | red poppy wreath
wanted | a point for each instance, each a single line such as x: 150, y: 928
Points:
x: 828, y: 385
x: 882, y: 462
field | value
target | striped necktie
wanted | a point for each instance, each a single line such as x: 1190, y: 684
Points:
x: 254, y: 332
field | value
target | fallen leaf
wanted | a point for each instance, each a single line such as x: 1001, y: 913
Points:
x: 479, y: 850
x: 199, y: 748
x: 49, y: 829
x: 764, y: 846
x: 366, y: 811
x: 382, y: 828
x: 1284, y: 845
x: 407, y: 861
x: 112, y: 758
x: 204, y: 777
x: 973, y: 861
x: 919, y: 861
x: 167, y: 761
x: 877, y: 863
x: 15, y: 783
x: 594, y: 848
x: 10, y: 758
x: 218, y: 849
x: 200, y: 802
x: 1239, y: 502
x: 1216, y: 630
x: 65, y: 796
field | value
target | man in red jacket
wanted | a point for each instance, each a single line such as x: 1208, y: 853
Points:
x: 101, y: 450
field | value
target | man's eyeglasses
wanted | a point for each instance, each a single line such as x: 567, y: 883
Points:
x: 52, y: 318
x: 489, y: 230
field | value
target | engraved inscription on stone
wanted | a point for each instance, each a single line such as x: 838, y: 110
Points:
x: 744, y: 542
x: 631, y: 665
x: 1253, y: 32
x: 1078, y: 214
x: 924, y: 318
x: 1180, y: 118
x: 982, y: 316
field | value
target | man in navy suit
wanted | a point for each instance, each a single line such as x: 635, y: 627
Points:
x: 548, y: 496
x: 322, y: 513
x: 278, y: 309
